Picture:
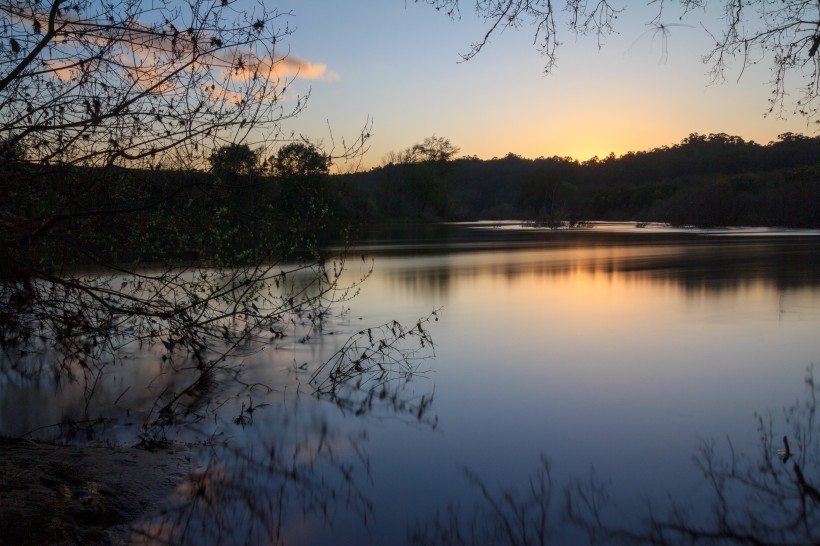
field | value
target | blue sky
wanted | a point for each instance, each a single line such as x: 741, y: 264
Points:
x: 398, y: 64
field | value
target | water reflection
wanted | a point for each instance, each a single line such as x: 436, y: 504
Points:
x: 617, y: 355
x: 765, y: 496
x: 284, y: 475
x: 608, y: 348
x: 692, y: 261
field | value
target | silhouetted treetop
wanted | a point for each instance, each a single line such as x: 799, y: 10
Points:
x: 433, y: 148
x: 234, y: 159
x: 298, y: 159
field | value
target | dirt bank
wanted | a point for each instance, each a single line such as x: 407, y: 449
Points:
x: 52, y: 494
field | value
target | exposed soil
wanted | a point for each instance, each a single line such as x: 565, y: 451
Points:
x: 53, y: 494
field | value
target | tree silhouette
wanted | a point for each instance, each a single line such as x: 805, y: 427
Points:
x: 708, y: 180
x: 433, y: 149
x: 109, y: 113
x: 299, y: 159
x: 421, y: 175
x: 785, y: 34
x: 234, y: 160
x: 130, y: 83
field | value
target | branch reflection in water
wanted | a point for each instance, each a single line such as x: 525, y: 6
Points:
x: 606, y: 349
x: 166, y: 366
x: 257, y: 487
x: 261, y: 487
x: 768, y: 498
x: 276, y: 464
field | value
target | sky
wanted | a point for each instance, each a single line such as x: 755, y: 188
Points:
x: 397, y: 64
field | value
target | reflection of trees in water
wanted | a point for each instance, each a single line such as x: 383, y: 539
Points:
x: 285, y: 466
x: 768, y: 498
x: 372, y: 372
x: 289, y: 467
x: 257, y: 491
x: 254, y: 491
x: 786, y: 263
x: 204, y: 323
x: 509, y: 517
x: 714, y: 264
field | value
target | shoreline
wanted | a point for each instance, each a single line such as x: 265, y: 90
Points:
x: 63, y: 494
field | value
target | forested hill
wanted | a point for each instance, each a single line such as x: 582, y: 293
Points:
x: 713, y: 179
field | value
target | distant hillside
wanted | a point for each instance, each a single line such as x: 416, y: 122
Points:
x: 713, y: 179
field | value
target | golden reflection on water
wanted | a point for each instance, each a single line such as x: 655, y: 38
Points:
x: 618, y: 311
x: 595, y: 271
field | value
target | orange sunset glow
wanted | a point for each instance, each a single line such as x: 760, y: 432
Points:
x: 634, y: 93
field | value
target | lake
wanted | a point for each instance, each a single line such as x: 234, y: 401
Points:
x: 612, y: 351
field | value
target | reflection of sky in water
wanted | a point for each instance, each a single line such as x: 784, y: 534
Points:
x: 618, y: 356
x: 614, y: 350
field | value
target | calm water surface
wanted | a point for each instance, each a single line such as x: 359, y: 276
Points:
x: 613, y: 350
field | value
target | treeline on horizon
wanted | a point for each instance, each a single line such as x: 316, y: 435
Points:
x: 240, y: 212
x: 246, y: 211
x: 706, y: 180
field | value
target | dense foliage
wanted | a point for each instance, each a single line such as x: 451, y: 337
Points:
x: 713, y: 179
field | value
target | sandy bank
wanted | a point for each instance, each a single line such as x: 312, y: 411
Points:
x: 53, y: 494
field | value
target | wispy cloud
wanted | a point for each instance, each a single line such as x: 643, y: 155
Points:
x: 277, y: 68
x: 292, y: 66
x: 142, y: 43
